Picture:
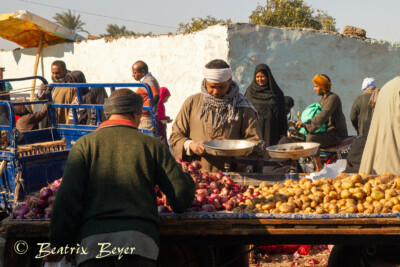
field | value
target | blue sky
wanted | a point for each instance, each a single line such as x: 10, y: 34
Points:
x: 378, y: 18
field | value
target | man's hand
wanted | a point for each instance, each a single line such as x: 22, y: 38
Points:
x: 299, y: 124
x: 197, y: 148
x: 42, y: 87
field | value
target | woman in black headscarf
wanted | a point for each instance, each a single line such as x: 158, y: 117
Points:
x: 268, y: 99
x: 85, y: 116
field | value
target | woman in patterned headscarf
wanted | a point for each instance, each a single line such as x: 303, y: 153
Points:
x: 268, y: 99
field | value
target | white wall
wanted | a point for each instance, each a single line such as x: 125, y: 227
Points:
x: 294, y: 57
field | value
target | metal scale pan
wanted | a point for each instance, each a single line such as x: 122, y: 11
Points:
x: 229, y: 148
x: 293, y: 150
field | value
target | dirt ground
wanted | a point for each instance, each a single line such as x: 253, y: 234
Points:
x: 318, y: 256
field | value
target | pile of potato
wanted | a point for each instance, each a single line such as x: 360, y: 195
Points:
x: 358, y: 193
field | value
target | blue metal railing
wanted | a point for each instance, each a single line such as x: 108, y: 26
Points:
x: 52, y: 114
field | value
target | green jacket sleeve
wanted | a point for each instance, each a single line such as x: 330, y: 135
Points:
x: 178, y: 186
x: 68, y: 206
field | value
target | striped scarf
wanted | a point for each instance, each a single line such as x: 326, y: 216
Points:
x: 225, y: 109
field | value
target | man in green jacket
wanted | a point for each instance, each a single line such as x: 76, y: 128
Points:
x: 106, y: 204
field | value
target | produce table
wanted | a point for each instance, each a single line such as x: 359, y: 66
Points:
x: 229, y: 228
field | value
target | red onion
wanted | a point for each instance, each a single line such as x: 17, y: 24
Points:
x: 208, y: 208
x: 179, y: 160
x: 201, y: 191
x: 229, y: 206
x: 196, y: 203
x: 236, y: 188
x: 196, y: 165
x: 192, y: 169
x: 250, y: 190
x: 20, y: 210
x: 214, y: 185
x: 160, y: 202
x: 215, y: 196
x: 46, y: 193
x: 219, y: 175
x: 51, y: 200
x: 217, y: 191
x: 202, y: 186
x: 224, y: 191
x: 54, y: 189
x: 202, y: 199
x: 224, y: 199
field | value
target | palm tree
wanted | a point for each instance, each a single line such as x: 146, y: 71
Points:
x: 113, y: 30
x: 70, y: 21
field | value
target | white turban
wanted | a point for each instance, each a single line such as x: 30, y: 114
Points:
x: 368, y: 82
x: 217, y: 75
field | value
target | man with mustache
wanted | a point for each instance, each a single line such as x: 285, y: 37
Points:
x: 60, y: 95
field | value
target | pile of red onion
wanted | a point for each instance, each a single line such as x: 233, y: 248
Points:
x: 214, y: 191
x: 39, y: 205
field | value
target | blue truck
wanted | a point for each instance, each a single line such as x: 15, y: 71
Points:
x: 33, y: 159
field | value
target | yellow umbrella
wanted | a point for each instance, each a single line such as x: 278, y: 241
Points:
x: 30, y: 30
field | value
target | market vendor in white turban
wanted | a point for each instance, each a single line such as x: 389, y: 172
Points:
x: 218, y: 112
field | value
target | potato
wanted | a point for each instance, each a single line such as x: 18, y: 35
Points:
x: 333, y: 195
x: 319, y: 210
x: 360, y: 208
x: 396, y: 208
x: 368, y: 211
x: 395, y: 200
x: 367, y: 190
x: 377, y: 195
x: 318, y: 183
x: 308, y: 210
x: 388, y: 204
x: 359, y: 195
x: 314, y: 189
x: 397, y: 183
x: 345, y: 194
x: 313, y: 204
x: 351, y: 209
x: 341, y: 203
x: 341, y: 176
x: 298, y: 203
x: 286, y: 208
x: 268, y: 206
x: 350, y: 201
x: 356, y: 178
x: 333, y: 211
x: 305, y: 199
x: 327, y: 199
x: 378, y: 208
x: 329, y: 180
x: 369, y: 199
x: 347, y: 184
x: 306, y: 205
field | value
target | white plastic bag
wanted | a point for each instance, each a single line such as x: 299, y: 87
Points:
x: 62, y: 263
x: 330, y: 170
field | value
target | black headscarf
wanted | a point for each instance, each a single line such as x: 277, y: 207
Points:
x: 270, y: 105
x: 271, y: 89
